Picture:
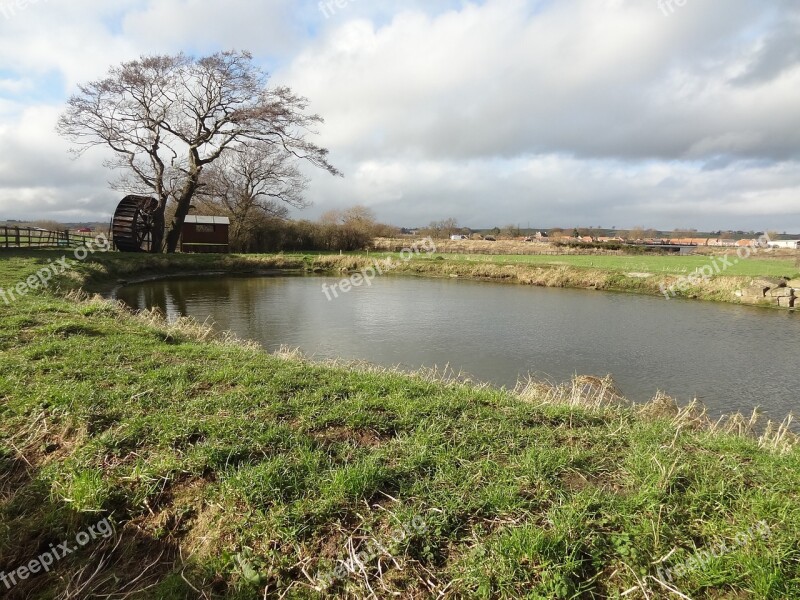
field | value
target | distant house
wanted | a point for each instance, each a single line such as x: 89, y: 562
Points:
x: 207, y: 235
x: 689, y: 242
x: 721, y: 242
x: 790, y: 244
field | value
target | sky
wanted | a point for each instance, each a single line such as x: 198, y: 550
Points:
x: 612, y: 113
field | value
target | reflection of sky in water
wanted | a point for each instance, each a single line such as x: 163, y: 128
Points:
x: 731, y: 357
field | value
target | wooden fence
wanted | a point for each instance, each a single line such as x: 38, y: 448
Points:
x: 13, y: 238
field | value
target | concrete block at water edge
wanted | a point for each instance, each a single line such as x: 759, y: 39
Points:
x: 769, y: 282
x: 787, y: 302
x: 754, y: 291
x: 785, y: 292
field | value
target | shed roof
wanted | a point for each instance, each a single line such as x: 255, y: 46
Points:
x: 200, y: 220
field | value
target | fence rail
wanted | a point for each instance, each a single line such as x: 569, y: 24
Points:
x: 13, y: 238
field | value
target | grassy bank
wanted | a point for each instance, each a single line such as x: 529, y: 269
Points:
x: 637, y: 274
x: 231, y: 473
x: 655, y: 265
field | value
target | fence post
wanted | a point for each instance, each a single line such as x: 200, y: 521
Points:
x: 66, y: 237
x: 17, y: 236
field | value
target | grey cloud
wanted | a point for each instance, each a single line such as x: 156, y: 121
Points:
x: 779, y: 54
x: 494, y: 84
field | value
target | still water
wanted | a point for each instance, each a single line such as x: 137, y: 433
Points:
x: 730, y: 357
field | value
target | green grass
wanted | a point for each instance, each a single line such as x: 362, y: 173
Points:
x: 755, y: 266
x: 235, y: 474
x: 672, y: 265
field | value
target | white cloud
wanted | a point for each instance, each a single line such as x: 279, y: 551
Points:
x: 584, y: 77
x: 200, y: 25
x: 39, y: 179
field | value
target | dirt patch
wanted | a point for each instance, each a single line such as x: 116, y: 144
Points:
x: 365, y: 438
x: 575, y: 481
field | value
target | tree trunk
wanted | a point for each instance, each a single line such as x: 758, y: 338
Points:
x: 157, y: 244
x: 184, y: 204
x: 174, y: 235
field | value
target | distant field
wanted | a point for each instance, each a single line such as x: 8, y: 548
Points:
x: 776, y: 267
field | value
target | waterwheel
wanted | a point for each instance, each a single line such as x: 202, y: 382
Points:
x: 132, y: 225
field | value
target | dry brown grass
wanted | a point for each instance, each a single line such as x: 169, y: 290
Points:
x: 443, y: 375
x: 541, y: 275
x: 584, y: 390
x: 506, y: 247
x: 720, y: 289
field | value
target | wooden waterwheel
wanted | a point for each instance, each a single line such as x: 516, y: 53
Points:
x: 132, y: 225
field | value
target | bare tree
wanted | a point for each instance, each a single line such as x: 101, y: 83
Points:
x: 352, y: 228
x: 637, y: 233
x: 441, y: 229
x: 449, y: 226
x: 683, y: 233
x: 359, y: 216
x: 166, y: 118
x: 250, y: 182
x: 49, y: 225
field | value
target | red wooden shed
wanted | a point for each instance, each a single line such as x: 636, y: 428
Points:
x: 209, y: 235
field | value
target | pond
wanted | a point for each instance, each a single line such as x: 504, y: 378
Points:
x: 730, y: 357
